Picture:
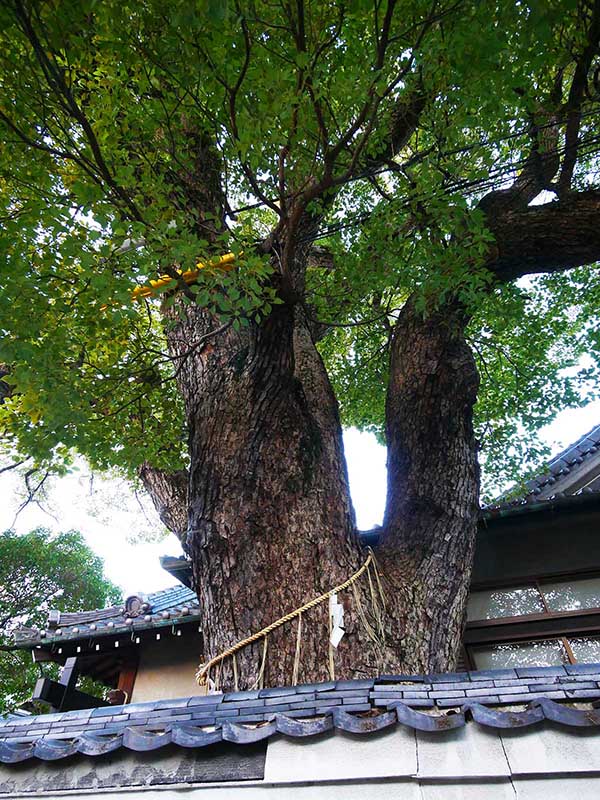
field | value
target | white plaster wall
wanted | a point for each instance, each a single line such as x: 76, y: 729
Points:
x: 582, y: 788
x: 376, y: 790
x: 587, y: 788
x: 342, y: 756
x: 552, y: 749
x: 543, y: 762
x: 167, y: 668
x: 468, y: 752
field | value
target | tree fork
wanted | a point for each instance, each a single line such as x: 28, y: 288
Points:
x: 270, y: 523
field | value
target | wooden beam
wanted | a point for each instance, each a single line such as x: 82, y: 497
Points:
x: 41, y: 655
x: 538, y: 626
x: 127, y: 677
x: 69, y: 674
x: 63, y: 699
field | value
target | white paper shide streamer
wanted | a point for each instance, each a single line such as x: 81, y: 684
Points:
x: 336, y: 612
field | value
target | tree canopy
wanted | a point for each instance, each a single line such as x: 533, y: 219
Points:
x: 409, y: 185
x: 108, y: 108
x: 40, y: 571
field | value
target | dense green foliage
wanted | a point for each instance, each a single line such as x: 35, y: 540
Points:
x: 109, y: 107
x: 38, y: 572
x: 536, y: 346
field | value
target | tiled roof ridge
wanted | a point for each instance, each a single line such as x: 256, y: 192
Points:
x: 593, y: 435
x: 89, y: 615
x: 423, y: 702
x: 557, y: 467
x: 176, y: 602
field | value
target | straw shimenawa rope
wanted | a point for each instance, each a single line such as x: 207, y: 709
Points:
x: 204, y: 669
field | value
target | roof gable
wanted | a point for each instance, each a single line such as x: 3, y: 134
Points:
x: 573, y: 472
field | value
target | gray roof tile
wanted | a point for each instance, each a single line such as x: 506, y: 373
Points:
x: 176, y: 604
x: 582, y: 669
x: 356, y: 706
x: 573, y: 459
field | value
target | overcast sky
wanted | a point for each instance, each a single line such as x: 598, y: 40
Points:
x: 113, y: 521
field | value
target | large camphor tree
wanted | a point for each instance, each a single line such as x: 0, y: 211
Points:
x: 385, y: 175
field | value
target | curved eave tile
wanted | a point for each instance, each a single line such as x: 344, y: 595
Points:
x: 49, y: 749
x: 427, y: 722
x: 353, y: 724
x: 12, y: 753
x: 241, y: 734
x: 192, y: 736
x: 95, y: 744
x: 574, y: 717
x: 493, y: 718
x: 142, y: 740
x: 290, y: 726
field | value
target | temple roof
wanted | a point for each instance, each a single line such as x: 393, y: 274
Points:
x: 568, y: 471
x: 573, y: 472
x: 175, y: 605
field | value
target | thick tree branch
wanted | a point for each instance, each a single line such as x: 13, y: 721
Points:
x: 539, y: 168
x: 577, y: 92
x: 403, y: 123
x: 548, y: 238
x: 168, y: 492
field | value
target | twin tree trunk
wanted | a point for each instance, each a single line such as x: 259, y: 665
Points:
x: 270, y: 521
x: 428, y: 539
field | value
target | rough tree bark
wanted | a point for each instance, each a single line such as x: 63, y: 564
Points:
x: 428, y: 537
x: 270, y: 521
x: 548, y: 238
x: 169, y: 494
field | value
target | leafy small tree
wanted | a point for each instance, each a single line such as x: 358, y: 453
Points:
x: 40, y: 571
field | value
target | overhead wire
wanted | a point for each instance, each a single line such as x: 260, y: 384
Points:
x: 470, y: 187
x: 386, y: 168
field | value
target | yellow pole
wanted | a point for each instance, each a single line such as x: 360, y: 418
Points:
x: 224, y: 262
